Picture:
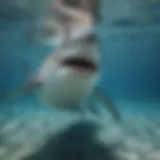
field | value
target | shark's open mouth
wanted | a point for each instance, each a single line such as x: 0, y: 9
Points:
x: 80, y: 63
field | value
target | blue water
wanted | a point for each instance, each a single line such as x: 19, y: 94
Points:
x: 130, y: 61
x: 130, y: 78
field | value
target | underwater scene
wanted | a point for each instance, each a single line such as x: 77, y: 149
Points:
x: 79, y: 80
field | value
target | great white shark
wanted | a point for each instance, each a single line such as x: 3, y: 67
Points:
x: 68, y: 77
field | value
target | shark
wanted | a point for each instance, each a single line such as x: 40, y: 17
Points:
x: 68, y: 77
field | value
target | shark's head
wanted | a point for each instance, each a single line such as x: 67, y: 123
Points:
x: 70, y: 74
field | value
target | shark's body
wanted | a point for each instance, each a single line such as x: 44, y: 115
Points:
x: 68, y: 77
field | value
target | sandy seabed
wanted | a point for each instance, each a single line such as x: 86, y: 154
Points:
x: 25, y: 128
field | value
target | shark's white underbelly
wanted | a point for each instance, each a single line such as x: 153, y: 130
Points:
x: 67, y: 90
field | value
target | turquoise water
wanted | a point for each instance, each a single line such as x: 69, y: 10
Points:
x: 130, y: 78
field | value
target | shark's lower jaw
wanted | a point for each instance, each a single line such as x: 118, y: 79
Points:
x: 67, y: 88
x: 80, y: 64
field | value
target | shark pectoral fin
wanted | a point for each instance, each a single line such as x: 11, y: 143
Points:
x: 30, y: 87
x: 114, y: 111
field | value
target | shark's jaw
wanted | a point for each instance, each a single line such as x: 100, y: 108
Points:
x: 72, y: 83
x: 80, y: 64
